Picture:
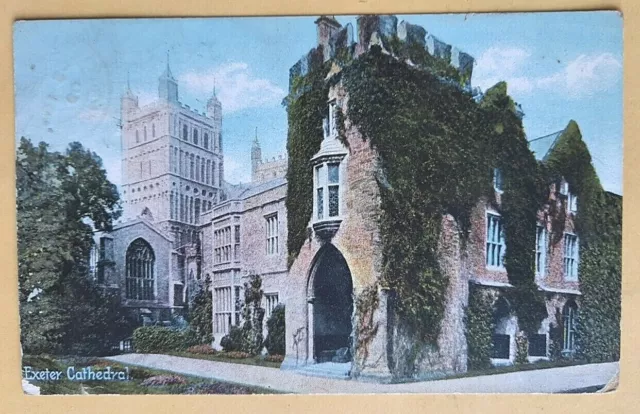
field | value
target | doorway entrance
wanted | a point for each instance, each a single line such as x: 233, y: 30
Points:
x: 332, y: 289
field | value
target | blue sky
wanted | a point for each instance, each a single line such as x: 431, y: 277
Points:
x: 69, y: 75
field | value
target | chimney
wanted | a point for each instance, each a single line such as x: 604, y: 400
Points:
x: 327, y: 26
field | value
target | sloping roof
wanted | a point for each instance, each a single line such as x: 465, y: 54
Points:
x: 244, y: 191
x: 542, y: 146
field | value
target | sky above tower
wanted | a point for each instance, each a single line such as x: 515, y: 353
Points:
x: 69, y: 76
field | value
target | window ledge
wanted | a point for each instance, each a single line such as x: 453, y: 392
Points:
x: 327, y: 228
x: 497, y: 268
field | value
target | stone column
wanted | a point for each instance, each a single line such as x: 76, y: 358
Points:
x: 310, y: 334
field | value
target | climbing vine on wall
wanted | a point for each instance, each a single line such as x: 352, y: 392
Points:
x: 479, y: 327
x: 598, y: 224
x: 306, y: 107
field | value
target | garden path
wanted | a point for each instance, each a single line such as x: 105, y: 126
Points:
x: 551, y: 380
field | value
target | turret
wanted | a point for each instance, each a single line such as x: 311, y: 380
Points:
x: 326, y: 26
x: 214, y: 107
x: 128, y: 102
x: 167, y: 85
x: 256, y: 156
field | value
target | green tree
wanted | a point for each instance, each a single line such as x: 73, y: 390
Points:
x: 61, y: 199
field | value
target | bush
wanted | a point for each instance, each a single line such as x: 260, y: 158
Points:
x: 158, y: 339
x: 159, y: 380
x: 203, y: 349
x: 201, y: 314
x: 248, y: 338
x: 234, y: 340
x: 275, y: 342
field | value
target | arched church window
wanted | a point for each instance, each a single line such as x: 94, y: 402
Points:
x: 145, y: 133
x: 195, y: 136
x: 140, y: 263
x: 137, y: 136
x: 185, y: 132
x: 206, y: 141
x: 153, y: 130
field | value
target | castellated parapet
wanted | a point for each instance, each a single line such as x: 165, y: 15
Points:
x: 377, y: 30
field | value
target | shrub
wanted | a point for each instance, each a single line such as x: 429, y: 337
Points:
x: 139, y: 373
x: 233, y: 341
x: 201, y: 314
x: 275, y: 341
x: 248, y: 338
x: 522, y: 349
x: 479, y: 328
x: 203, y: 349
x: 157, y: 339
x: 159, y: 380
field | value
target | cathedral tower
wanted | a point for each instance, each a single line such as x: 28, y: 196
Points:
x: 172, y: 162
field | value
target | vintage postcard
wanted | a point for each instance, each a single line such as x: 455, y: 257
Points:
x: 320, y: 204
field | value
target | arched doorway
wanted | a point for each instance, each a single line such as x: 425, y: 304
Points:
x: 331, y: 307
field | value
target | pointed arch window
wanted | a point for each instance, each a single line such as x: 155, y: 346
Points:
x: 195, y: 136
x: 206, y: 141
x: 140, y: 263
x: 185, y: 132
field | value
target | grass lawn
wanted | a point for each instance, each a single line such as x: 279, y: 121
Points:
x: 257, y: 360
x: 134, y: 385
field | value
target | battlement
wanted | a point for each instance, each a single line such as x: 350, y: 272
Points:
x: 274, y: 160
x: 337, y: 42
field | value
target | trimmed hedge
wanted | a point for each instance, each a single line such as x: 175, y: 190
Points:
x: 157, y: 339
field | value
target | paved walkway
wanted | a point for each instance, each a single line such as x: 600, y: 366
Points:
x: 551, y: 380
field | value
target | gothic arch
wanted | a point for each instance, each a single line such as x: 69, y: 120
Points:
x: 330, y: 302
x: 140, y: 270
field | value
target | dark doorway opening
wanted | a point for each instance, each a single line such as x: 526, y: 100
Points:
x: 332, y: 308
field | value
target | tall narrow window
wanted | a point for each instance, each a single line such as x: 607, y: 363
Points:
x: 320, y: 192
x: 145, y: 133
x: 495, y: 242
x: 153, y: 130
x: 195, y: 136
x: 197, y: 168
x: 140, y: 263
x: 271, y: 301
x: 334, y: 189
x: 202, y: 171
x: 236, y: 243
x: 185, y: 133
x: 137, y: 136
x: 497, y: 179
x: 571, y: 256
x: 272, y: 233
x: 192, y: 169
x: 223, y: 306
x: 541, y: 250
x: 569, y: 316
x: 208, y: 172
x: 206, y: 141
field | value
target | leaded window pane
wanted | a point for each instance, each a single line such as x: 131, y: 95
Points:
x: 334, y: 173
x: 320, y: 204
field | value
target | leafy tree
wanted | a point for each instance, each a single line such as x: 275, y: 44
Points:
x: 61, y: 199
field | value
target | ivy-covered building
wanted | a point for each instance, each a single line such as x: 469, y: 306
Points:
x: 426, y: 234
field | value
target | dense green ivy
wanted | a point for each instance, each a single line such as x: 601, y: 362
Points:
x: 479, y: 327
x: 306, y: 107
x: 598, y: 224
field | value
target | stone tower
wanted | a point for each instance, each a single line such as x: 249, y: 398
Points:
x: 171, y: 159
x: 256, y: 156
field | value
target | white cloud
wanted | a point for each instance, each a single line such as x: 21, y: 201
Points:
x: 582, y: 76
x: 236, y: 87
x: 585, y: 75
x: 502, y: 64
